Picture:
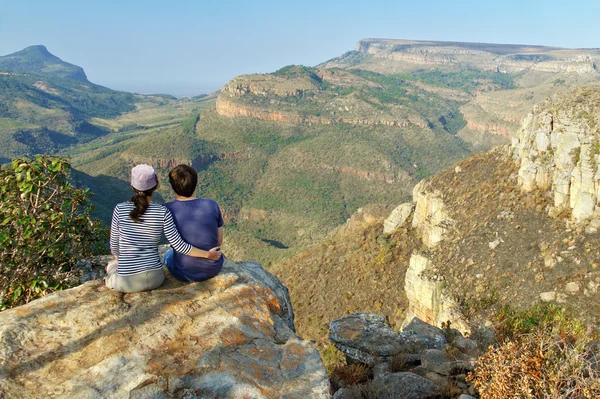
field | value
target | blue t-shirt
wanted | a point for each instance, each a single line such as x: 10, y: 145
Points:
x: 197, y: 221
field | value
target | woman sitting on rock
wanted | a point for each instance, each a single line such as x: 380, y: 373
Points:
x: 135, y: 233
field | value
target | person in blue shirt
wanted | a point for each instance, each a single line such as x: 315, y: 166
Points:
x: 200, y: 223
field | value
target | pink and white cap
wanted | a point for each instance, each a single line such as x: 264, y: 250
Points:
x: 143, y: 177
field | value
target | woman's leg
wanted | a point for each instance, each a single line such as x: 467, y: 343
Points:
x: 135, y: 283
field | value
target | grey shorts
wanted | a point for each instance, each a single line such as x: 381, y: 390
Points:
x: 135, y: 283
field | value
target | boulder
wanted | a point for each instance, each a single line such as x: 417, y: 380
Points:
x: 228, y: 337
x: 398, y: 217
x: 420, y: 336
x: 366, y: 338
x: 436, y: 360
x: 404, y: 385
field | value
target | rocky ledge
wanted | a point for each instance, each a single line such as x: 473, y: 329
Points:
x: 229, y: 337
x: 420, y: 362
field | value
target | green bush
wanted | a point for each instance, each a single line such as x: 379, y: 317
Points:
x: 45, y: 229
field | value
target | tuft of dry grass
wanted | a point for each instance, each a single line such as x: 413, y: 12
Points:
x: 399, y: 363
x: 349, y: 375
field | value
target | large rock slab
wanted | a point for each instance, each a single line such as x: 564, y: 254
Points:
x: 398, y: 217
x: 367, y: 338
x: 406, y: 386
x: 229, y: 337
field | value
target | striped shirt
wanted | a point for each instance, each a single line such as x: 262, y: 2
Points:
x: 136, y: 243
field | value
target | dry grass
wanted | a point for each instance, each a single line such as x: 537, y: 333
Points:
x: 399, y: 363
x: 349, y: 375
x: 543, y: 353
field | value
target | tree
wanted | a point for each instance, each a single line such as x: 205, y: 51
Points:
x: 45, y: 228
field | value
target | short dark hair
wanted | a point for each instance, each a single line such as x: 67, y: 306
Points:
x: 183, y: 179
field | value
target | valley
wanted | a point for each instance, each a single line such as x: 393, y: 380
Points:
x: 293, y: 154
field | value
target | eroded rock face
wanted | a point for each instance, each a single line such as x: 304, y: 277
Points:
x: 398, y: 217
x: 426, y: 296
x: 430, y: 218
x: 229, y: 337
x: 559, y: 149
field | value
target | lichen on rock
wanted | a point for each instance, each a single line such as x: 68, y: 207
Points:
x: 231, y: 337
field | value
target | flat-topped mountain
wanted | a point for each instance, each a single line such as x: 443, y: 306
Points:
x: 506, y: 58
x: 38, y: 60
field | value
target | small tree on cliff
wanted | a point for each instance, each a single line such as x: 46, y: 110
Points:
x: 45, y: 228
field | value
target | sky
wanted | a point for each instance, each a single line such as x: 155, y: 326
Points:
x: 186, y: 48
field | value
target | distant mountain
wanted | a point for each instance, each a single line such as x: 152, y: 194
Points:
x: 38, y: 60
x: 47, y: 104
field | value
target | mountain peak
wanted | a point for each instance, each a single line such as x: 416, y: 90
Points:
x: 38, y: 60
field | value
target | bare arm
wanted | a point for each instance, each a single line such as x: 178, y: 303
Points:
x: 220, y: 235
x: 212, y: 254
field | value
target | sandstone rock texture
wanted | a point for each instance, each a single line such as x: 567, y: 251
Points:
x: 426, y: 297
x: 431, y: 218
x: 488, y: 57
x: 398, y: 217
x: 559, y: 149
x: 229, y: 337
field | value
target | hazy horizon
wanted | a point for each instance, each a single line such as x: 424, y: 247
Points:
x: 188, y: 48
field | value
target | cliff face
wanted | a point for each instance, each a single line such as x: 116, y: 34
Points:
x: 559, y: 149
x: 229, y: 337
x: 233, y: 109
x: 514, y: 226
x: 487, y: 57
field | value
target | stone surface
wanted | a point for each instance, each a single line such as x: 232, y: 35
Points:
x: 420, y: 336
x: 549, y: 296
x: 365, y: 338
x: 398, y: 217
x: 404, y: 385
x: 572, y: 287
x: 558, y: 149
x: 436, y: 360
x: 426, y: 297
x: 430, y: 219
x: 229, y: 337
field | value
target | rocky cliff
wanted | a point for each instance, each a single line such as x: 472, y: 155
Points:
x: 490, y: 57
x: 559, y: 149
x: 514, y: 226
x: 232, y: 109
x: 229, y: 337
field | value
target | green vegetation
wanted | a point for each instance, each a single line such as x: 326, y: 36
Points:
x: 37, y: 60
x: 189, y: 125
x: 542, y: 352
x: 295, y: 71
x: 464, y: 80
x: 49, y: 113
x: 46, y: 229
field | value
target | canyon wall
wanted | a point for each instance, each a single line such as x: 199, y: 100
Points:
x: 558, y: 149
x: 486, y: 57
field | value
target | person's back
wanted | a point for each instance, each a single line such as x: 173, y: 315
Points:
x: 200, y: 223
x: 135, y: 233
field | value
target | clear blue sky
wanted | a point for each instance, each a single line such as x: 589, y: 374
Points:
x: 188, y: 47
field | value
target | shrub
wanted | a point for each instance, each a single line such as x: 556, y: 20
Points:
x: 542, y: 353
x: 45, y: 229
